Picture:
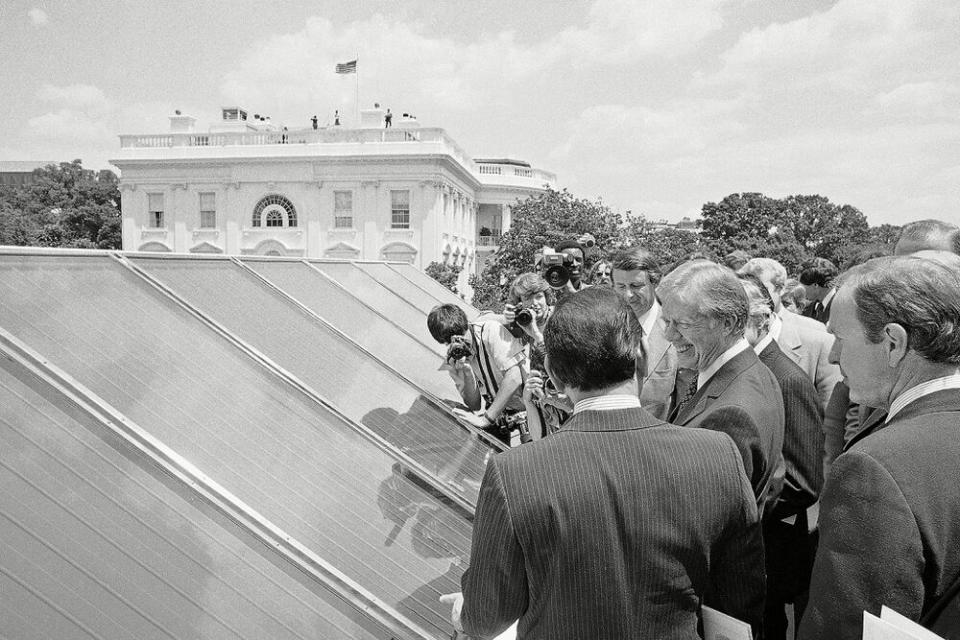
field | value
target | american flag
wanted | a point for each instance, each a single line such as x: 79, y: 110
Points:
x: 347, y: 67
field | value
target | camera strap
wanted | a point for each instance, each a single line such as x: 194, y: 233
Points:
x: 483, y: 361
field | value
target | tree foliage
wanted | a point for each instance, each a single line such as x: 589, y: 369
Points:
x: 445, y: 274
x: 65, y: 206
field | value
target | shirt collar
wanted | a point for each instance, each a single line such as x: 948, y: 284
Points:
x: 764, y: 341
x: 827, y: 298
x: 704, y: 376
x: 923, y: 389
x: 649, y: 319
x: 610, y: 402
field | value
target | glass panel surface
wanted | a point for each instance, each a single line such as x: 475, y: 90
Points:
x: 399, y: 285
x: 360, y: 387
x: 433, y: 287
x: 294, y: 462
x: 90, y: 532
x: 417, y: 356
x: 377, y: 295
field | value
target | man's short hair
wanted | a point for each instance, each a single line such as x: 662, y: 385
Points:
x: 445, y: 321
x: 794, y: 292
x: 637, y: 259
x: 592, y: 340
x: 767, y: 270
x: 927, y: 234
x: 818, y: 271
x: 920, y: 293
x: 758, y: 298
x: 736, y: 259
x: 527, y: 284
x: 712, y: 289
x: 567, y: 244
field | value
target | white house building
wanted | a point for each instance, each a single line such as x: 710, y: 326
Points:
x: 372, y: 193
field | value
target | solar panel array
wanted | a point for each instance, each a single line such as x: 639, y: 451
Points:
x: 221, y: 447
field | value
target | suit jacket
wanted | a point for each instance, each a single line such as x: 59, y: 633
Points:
x: 890, y: 522
x: 802, y: 434
x: 743, y: 400
x: 807, y: 343
x: 661, y: 376
x: 810, y: 311
x: 613, y: 527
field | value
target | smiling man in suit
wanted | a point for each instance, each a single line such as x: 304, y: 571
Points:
x: 635, y: 277
x: 619, y: 525
x: 705, y: 312
x: 890, y: 517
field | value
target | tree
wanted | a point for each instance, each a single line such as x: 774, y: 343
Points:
x: 822, y: 228
x: 445, y: 274
x: 538, y: 221
x: 65, y: 206
x: 739, y: 221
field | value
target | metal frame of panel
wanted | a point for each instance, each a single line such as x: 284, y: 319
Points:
x: 276, y: 369
x: 166, y: 464
x: 440, y: 292
x: 315, y: 261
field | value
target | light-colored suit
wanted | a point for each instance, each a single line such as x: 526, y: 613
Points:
x: 806, y: 342
x: 661, y: 372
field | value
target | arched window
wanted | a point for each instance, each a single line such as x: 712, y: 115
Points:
x: 274, y: 211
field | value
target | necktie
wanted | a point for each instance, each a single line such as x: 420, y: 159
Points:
x: 684, y: 399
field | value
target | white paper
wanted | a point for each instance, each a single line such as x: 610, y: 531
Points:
x: 720, y: 626
x: 876, y: 629
x: 509, y: 634
x: 904, y: 623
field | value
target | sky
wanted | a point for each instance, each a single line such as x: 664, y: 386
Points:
x: 653, y: 106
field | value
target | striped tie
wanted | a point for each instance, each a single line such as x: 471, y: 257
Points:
x: 684, y: 399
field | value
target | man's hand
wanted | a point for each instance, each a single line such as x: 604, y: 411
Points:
x: 509, y: 313
x: 456, y: 601
x: 533, y: 388
x: 479, y: 420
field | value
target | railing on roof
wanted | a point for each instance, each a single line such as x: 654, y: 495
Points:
x: 495, y: 169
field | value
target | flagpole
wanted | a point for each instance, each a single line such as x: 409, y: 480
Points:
x: 358, y: 90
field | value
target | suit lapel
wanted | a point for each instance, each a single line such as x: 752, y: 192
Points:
x: 717, y: 385
x: 940, y: 401
x: 657, y: 345
x: 790, y: 342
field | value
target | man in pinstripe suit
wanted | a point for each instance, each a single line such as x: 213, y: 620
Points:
x: 619, y: 525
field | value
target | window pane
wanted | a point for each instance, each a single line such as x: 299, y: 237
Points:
x: 208, y: 201
x: 290, y: 459
x: 141, y: 553
x: 400, y: 198
x: 208, y: 219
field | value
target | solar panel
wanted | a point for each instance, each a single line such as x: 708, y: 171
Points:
x: 92, y: 543
x: 376, y: 295
x: 399, y: 285
x: 298, y: 464
x: 361, y: 388
x: 431, y: 286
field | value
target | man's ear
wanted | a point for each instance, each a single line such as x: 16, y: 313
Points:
x: 897, y: 343
x: 556, y: 381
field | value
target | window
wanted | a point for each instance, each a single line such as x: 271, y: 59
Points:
x: 399, y: 209
x: 155, y: 210
x: 274, y: 204
x: 208, y: 210
x: 343, y: 209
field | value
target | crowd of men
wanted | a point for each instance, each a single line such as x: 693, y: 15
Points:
x: 690, y: 440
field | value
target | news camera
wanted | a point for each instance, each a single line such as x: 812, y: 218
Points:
x: 459, y: 349
x: 556, y: 269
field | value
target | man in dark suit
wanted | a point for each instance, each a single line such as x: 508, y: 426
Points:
x: 636, y: 273
x: 889, y: 525
x: 787, y: 534
x: 817, y: 279
x: 618, y: 525
x: 705, y: 311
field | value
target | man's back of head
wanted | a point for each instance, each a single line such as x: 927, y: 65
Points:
x: 930, y: 234
x: 591, y: 341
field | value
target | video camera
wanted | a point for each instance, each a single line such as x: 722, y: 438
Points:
x: 556, y: 269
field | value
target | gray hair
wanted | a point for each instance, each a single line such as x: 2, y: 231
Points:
x: 760, y: 304
x: 712, y: 289
x: 927, y: 234
x: 768, y: 270
x: 919, y: 293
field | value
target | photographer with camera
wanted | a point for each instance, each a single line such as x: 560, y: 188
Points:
x: 563, y: 269
x: 486, y: 363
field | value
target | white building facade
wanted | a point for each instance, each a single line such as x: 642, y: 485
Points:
x: 405, y: 193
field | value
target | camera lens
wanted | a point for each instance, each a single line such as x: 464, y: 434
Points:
x: 556, y: 276
x: 524, y: 317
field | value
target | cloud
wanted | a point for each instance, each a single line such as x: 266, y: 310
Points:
x: 38, y: 17
x: 76, y: 96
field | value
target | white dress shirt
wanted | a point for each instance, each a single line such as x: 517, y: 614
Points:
x: 703, y: 377
x: 610, y: 402
x: 923, y: 389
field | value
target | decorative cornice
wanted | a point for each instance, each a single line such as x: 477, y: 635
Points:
x: 364, y: 184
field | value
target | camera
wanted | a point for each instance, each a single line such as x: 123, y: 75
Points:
x: 459, y: 348
x: 556, y: 269
x: 523, y: 317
